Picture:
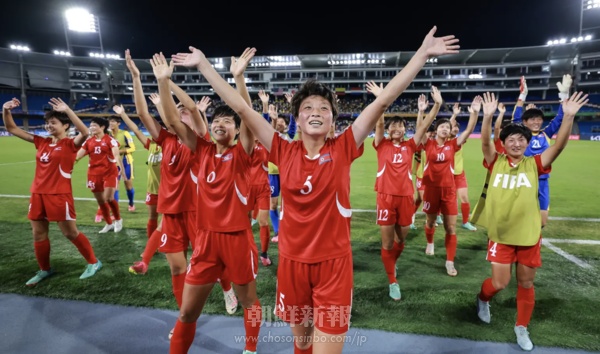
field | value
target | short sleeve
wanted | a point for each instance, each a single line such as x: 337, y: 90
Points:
x: 38, y: 141
x: 490, y: 166
x: 163, y: 134
x: 454, y: 144
x: 498, y: 145
x: 247, y: 159
x: 411, y: 144
x: 345, y: 145
x: 147, y: 145
x: 207, y: 136
x: 203, y: 144
x: 115, y: 143
x: 382, y: 143
x: 279, y: 147
x: 540, y: 167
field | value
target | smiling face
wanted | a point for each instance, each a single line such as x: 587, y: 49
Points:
x: 281, y: 125
x: 534, y: 124
x: 113, y: 124
x: 443, y: 130
x: 315, y: 116
x: 455, y: 130
x: 95, y: 129
x: 396, y: 131
x: 224, y: 129
x: 55, y: 127
x: 515, y: 146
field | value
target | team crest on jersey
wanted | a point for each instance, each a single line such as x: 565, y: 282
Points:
x: 324, y: 158
x: 403, y: 148
x: 103, y: 144
x: 58, y: 148
x: 447, y: 148
x: 228, y: 157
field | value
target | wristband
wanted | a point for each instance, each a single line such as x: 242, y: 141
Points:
x: 563, y: 96
x: 522, y: 97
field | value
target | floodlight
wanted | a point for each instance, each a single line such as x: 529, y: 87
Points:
x: 80, y: 20
x: 579, y: 39
x: 588, y: 37
x: 573, y: 40
x: 549, y: 43
x: 563, y: 41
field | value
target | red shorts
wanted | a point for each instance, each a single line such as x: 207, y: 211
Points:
x: 178, y: 230
x: 51, y: 207
x: 151, y: 199
x: 440, y: 198
x: 507, y: 254
x: 259, y: 197
x: 420, y: 185
x: 98, y: 183
x: 325, y: 287
x: 215, y: 251
x: 392, y: 209
x: 460, y: 181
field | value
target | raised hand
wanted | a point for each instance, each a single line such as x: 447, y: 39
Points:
x: 456, y: 109
x: 155, y: 98
x: 288, y: 97
x: 423, y: 103
x: 273, y: 112
x: 565, y: 85
x: 188, y: 59
x: 203, y: 104
x: 476, y: 105
x: 58, y: 105
x: 436, y: 46
x: 523, y: 89
x: 530, y: 106
x: 239, y: 66
x: 264, y: 97
x: 501, y: 108
x: 118, y: 109
x: 374, y: 89
x: 135, y: 72
x: 12, y: 104
x: 436, y: 95
x: 572, y: 105
x: 161, y: 69
x: 490, y: 103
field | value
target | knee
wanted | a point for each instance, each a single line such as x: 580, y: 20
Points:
x: 39, y: 235
x: 430, y: 223
x: 450, y: 228
x: 527, y: 284
x: 248, y: 301
x: 186, y: 316
x: 109, y: 199
x: 262, y: 222
x: 71, y: 234
x: 500, y: 284
x: 177, y: 269
x: 303, y: 343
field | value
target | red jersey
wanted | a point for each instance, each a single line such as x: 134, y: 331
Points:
x: 102, y: 160
x: 394, y: 175
x: 259, y: 167
x: 439, y: 167
x: 315, y: 197
x: 499, y: 148
x: 178, y: 185
x: 223, y: 187
x: 53, y: 165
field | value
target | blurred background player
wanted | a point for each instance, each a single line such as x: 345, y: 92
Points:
x: 126, y: 148
x: 498, y: 126
x: 51, y: 193
x: 509, y: 208
x: 103, y: 173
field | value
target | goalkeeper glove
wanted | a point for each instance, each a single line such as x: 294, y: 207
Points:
x: 563, y: 88
x: 524, y: 91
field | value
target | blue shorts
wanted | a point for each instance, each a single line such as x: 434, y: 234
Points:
x: 544, y: 194
x: 128, y: 170
x: 274, y: 183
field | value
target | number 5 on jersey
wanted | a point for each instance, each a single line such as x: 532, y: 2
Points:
x: 307, y: 184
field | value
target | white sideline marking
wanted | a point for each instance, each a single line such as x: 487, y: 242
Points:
x: 579, y: 242
x: 566, y: 255
x: 16, y: 163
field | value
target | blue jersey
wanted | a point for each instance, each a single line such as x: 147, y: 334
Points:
x: 540, y: 141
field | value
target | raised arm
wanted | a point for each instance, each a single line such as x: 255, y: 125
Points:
x: 9, y: 122
x: 422, y: 105
x: 431, y: 47
x: 130, y: 124
x: 202, y: 106
x: 474, y: 114
x: 197, y: 121
x: 141, y: 105
x: 420, y: 136
x: 570, y: 108
x: 59, y: 106
x: 518, y: 110
x: 238, y: 66
x: 274, y: 115
x: 455, y: 112
x: 498, y: 125
x: 380, y: 126
x: 163, y: 72
x: 155, y: 99
x: 490, y: 103
x: 254, y: 120
x: 264, y: 98
x: 293, y: 127
x: 563, y: 93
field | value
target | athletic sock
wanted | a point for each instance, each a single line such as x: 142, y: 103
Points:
x: 389, y: 263
x: 99, y: 211
x: 114, y: 207
x: 85, y: 248
x: 252, y: 321
x: 417, y: 205
x: 465, y: 209
x: 225, y: 281
x: 429, y: 234
x: 117, y: 195
x: 525, y: 304
x: 300, y: 351
x: 42, y: 253
x: 275, y: 220
x: 183, y: 337
x: 105, y: 210
x: 450, y: 247
x: 130, y: 195
x: 151, y: 226
x: 265, y: 233
x: 487, y: 290
x: 151, y: 247
x: 398, y: 248
x: 178, y: 282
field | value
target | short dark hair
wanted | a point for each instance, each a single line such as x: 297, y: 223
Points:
x: 504, y: 123
x: 515, y: 129
x: 101, y: 121
x: 440, y: 122
x: 61, y: 116
x: 115, y: 118
x: 394, y: 120
x: 431, y: 129
x: 532, y: 113
x: 313, y: 87
x: 226, y: 111
x: 457, y: 124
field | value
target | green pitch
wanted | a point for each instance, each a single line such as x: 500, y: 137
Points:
x: 567, y: 296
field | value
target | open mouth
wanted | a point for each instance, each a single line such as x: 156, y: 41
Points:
x: 315, y: 123
x: 219, y: 131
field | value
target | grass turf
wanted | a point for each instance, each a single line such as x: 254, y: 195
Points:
x: 567, y: 296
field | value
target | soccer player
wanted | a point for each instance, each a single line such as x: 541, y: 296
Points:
x: 540, y: 140
x: 51, y: 193
x: 126, y: 148
x: 509, y: 208
x: 440, y: 191
x: 395, y: 192
x: 498, y: 126
x: 420, y: 157
x: 315, y: 264
x: 103, y: 172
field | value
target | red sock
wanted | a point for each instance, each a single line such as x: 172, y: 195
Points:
x: 417, y: 205
x: 99, y: 212
x: 439, y: 212
x: 151, y: 247
x: 525, y: 304
x: 465, y: 209
x: 183, y: 337
x: 450, y: 247
x: 398, y: 248
x: 389, y: 263
x: 114, y: 207
x: 42, y: 253
x: 151, y: 226
x: 429, y: 234
x: 300, y: 351
x: 265, y: 235
x: 105, y: 211
x: 85, y: 248
x: 252, y: 321
x: 487, y: 290
x: 178, y: 282
x: 225, y: 281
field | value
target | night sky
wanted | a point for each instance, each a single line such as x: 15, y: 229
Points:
x: 225, y: 28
